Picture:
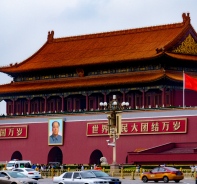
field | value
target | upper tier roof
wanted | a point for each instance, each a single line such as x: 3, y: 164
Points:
x: 109, y: 47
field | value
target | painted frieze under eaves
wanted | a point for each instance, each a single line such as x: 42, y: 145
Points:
x: 188, y: 46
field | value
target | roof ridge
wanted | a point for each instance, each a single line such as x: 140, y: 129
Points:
x: 118, y: 32
x: 185, y: 17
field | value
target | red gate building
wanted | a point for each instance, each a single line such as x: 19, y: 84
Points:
x: 67, y: 78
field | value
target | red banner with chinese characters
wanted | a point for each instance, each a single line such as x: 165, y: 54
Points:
x: 139, y: 127
x: 10, y: 132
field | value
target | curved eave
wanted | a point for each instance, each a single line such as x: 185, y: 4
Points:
x: 182, y: 56
x: 14, y: 69
x: 83, y: 82
x: 174, y: 76
x: 8, y: 69
x: 177, y: 76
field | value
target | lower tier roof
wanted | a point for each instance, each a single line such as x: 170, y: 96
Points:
x: 98, y: 81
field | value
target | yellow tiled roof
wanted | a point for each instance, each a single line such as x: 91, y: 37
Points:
x: 96, y: 49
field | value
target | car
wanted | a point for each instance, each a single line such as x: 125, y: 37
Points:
x: 105, y: 176
x: 57, y: 179
x: 19, y: 163
x: 10, y: 177
x: 30, y: 173
x: 162, y: 173
x: 78, y: 177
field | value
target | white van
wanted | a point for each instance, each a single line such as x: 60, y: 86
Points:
x: 17, y: 164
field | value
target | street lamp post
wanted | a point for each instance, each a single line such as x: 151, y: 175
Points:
x: 114, y: 108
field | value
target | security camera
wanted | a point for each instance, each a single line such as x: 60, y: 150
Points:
x: 112, y: 144
x: 108, y: 141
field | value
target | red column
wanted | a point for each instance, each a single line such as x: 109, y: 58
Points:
x: 143, y: 98
x: 21, y: 107
x: 45, y: 104
x: 123, y: 96
x: 54, y: 105
x: 163, y: 97
x: 87, y: 102
x: 105, y: 97
x: 98, y: 102
x: 74, y: 104
x: 29, y: 106
x: 151, y: 99
x: 62, y: 103
x: 71, y: 104
x: 172, y: 97
x: 38, y: 106
x: 133, y: 101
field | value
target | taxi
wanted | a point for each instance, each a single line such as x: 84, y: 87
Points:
x: 162, y: 173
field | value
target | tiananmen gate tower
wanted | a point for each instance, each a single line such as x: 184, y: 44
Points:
x: 68, y: 77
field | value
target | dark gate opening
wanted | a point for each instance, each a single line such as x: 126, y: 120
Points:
x: 17, y: 155
x: 95, y: 157
x: 55, y: 155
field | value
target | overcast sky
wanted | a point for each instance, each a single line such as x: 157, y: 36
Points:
x: 24, y: 24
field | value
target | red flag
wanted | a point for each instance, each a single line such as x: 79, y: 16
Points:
x: 190, y: 82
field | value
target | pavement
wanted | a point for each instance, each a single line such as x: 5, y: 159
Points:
x: 127, y: 180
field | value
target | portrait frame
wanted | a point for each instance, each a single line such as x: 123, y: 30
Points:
x: 60, y: 133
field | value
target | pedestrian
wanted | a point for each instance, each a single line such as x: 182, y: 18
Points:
x: 137, y: 168
x: 33, y: 166
x: 61, y: 167
x: 79, y: 167
x: 193, y: 169
x: 98, y: 167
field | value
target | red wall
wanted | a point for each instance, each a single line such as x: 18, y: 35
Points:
x: 78, y: 147
x: 190, y: 98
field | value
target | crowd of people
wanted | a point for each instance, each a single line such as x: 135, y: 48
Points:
x: 80, y: 167
x: 46, y: 167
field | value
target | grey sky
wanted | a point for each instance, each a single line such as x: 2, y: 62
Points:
x: 24, y: 24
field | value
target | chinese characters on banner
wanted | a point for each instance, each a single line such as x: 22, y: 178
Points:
x: 157, y: 126
x: 10, y: 132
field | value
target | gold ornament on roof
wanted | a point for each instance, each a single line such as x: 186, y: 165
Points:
x: 80, y: 72
x: 188, y: 46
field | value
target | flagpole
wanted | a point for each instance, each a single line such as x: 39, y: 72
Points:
x: 183, y: 90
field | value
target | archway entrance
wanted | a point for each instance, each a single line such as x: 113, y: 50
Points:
x: 17, y: 155
x: 55, y: 155
x: 95, y: 157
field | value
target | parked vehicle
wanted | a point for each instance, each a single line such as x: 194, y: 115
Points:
x: 30, y: 173
x: 17, y: 164
x: 13, y: 177
x: 83, y: 177
x: 105, y: 176
x: 163, y: 173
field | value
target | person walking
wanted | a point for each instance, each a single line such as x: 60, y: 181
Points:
x: 193, y: 169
